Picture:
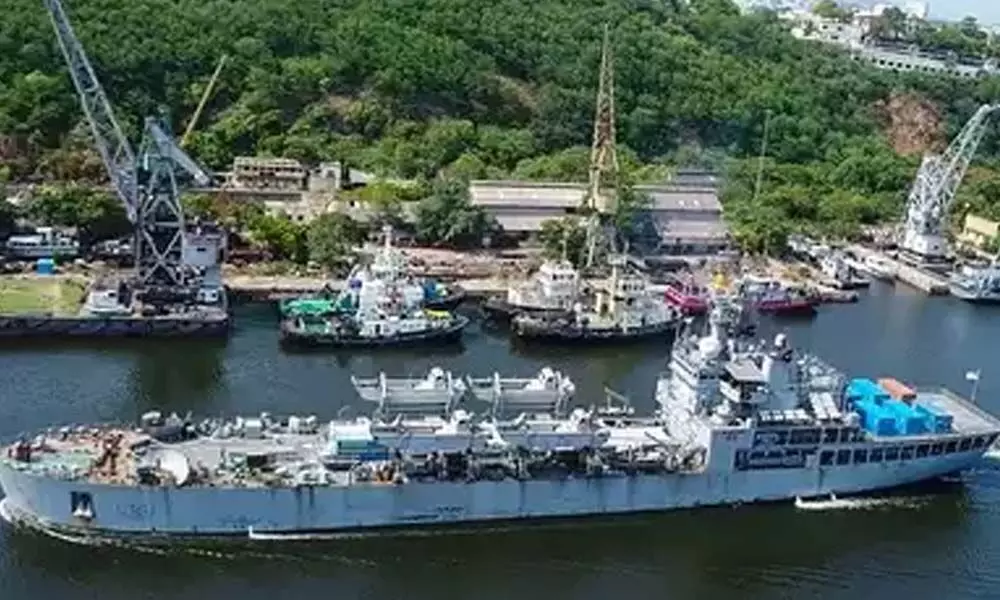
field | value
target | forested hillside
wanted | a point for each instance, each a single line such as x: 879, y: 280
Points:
x: 485, y: 89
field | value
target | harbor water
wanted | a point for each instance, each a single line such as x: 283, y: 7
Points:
x: 940, y: 541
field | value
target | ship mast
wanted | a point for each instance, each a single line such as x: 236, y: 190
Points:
x: 603, y: 173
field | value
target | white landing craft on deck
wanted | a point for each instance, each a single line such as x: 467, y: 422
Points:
x: 736, y: 424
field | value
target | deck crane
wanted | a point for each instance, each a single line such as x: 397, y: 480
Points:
x: 170, y: 258
x: 933, y: 192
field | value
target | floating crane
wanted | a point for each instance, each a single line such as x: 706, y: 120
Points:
x: 169, y: 257
x: 933, y: 192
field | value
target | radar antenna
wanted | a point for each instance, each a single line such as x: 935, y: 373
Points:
x: 934, y: 188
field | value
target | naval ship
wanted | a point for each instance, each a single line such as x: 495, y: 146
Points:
x: 977, y: 284
x: 737, y: 422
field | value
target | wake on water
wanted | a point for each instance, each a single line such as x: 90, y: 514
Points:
x: 835, y: 503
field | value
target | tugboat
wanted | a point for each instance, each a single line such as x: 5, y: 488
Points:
x: 769, y: 296
x: 388, y: 268
x: 374, y: 328
x: 553, y: 290
x: 627, y: 311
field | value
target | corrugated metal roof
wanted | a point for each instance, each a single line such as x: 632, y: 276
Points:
x: 691, y: 229
x: 571, y: 195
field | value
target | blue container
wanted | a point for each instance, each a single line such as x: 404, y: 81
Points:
x: 877, y: 419
x: 431, y: 291
x: 45, y: 266
x: 938, y: 420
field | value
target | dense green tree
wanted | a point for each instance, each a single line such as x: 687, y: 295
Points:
x: 563, y: 238
x: 331, y: 237
x: 446, y: 217
x: 503, y: 89
x: 280, y: 236
x: 96, y: 215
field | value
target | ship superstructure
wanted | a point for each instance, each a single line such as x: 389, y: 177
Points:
x: 737, y: 423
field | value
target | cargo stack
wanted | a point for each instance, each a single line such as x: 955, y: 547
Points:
x: 890, y: 408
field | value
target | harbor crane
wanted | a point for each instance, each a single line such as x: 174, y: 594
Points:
x: 933, y: 192
x: 171, y: 259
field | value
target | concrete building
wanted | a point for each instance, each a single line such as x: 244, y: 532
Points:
x: 978, y: 232
x: 285, y: 186
x: 685, y: 214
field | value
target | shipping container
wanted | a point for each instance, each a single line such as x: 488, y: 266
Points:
x: 896, y: 389
x: 940, y: 421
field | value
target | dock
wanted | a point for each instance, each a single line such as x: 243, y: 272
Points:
x: 265, y: 289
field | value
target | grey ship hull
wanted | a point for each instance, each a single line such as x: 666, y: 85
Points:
x: 293, y: 513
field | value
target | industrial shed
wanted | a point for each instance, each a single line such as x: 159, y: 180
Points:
x: 685, y: 215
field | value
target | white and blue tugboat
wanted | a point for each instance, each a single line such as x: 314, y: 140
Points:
x: 388, y: 268
x: 735, y: 424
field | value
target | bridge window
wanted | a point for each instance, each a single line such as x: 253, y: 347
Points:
x: 843, y: 457
x: 826, y: 458
x: 830, y: 436
x: 845, y: 436
x: 978, y: 443
x: 951, y: 447
x: 964, y: 445
x: 937, y: 449
x: 907, y: 453
x: 876, y: 455
x: 860, y: 456
x: 922, y: 450
x: 892, y: 454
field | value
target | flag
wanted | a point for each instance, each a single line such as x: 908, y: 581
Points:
x: 972, y: 376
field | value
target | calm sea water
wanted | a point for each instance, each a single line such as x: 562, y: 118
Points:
x: 942, y: 542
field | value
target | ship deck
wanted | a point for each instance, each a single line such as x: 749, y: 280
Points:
x: 968, y: 418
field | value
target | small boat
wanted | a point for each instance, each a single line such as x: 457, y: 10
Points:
x: 878, y: 267
x: 436, y: 393
x: 842, y: 273
x: 546, y: 392
x: 770, y: 296
x: 687, y: 297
